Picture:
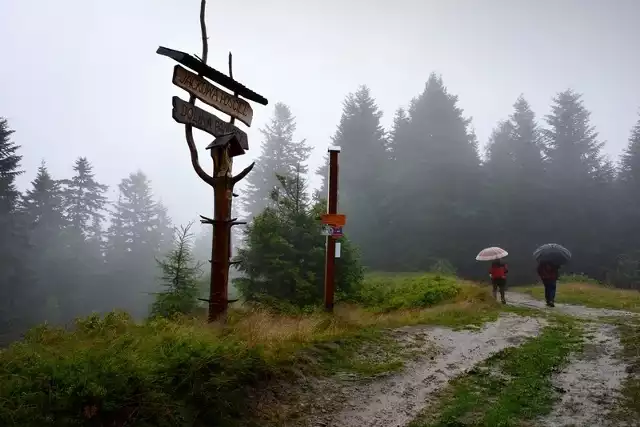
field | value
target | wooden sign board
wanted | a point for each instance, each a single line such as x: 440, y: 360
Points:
x: 188, y: 114
x: 337, y: 220
x: 212, y: 95
x: 212, y: 74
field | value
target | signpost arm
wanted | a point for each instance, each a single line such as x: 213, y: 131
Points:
x: 330, y: 254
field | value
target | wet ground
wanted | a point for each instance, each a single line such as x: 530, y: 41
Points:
x: 589, y: 385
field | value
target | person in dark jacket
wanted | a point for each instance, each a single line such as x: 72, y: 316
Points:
x: 548, y: 273
x: 498, y: 274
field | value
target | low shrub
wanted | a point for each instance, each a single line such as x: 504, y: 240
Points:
x: 113, y: 371
x: 386, y: 293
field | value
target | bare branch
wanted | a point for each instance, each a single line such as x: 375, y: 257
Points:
x: 203, y: 29
x: 188, y: 129
x: 242, y: 174
x: 188, y: 132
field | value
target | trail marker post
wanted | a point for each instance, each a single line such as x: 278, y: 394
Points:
x: 335, y: 221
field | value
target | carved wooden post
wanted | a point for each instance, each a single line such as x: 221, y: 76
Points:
x: 230, y: 141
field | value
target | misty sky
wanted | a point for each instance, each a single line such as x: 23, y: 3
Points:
x: 81, y: 77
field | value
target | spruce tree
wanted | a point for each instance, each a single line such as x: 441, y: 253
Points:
x: 15, y: 282
x: 135, y: 237
x: 362, y: 164
x: 579, y: 191
x: 517, y: 180
x: 180, y: 276
x: 43, y: 209
x: 283, y: 257
x: 84, y: 199
x: 435, y: 193
x: 280, y: 153
x: 9, y: 169
x: 627, y: 270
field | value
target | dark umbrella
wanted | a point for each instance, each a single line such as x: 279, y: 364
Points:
x: 553, y: 253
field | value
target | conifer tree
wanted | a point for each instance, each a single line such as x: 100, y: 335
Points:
x: 180, y: 275
x: 16, y: 287
x: 280, y: 153
x: 362, y: 184
x: 578, y: 189
x: 435, y: 179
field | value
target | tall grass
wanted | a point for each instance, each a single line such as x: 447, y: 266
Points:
x: 114, y: 371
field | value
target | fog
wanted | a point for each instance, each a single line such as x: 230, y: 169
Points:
x: 429, y: 186
x: 82, y: 78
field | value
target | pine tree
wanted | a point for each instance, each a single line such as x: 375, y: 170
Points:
x: 630, y: 162
x: 15, y: 284
x: 627, y: 270
x: 84, y: 199
x: 280, y: 153
x: 180, y: 275
x: 579, y: 192
x: 362, y: 164
x: 9, y: 169
x: 42, y: 206
x: 517, y: 179
x: 134, y: 239
x: 435, y: 192
x: 283, y: 259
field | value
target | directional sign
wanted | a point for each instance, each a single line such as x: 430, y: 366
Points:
x: 336, y: 232
x: 334, y: 219
x: 188, y: 114
x: 212, y: 95
x: 212, y: 74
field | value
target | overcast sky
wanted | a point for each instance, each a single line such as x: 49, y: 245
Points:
x: 81, y: 77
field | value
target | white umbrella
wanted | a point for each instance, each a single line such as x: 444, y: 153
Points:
x: 490, y: 254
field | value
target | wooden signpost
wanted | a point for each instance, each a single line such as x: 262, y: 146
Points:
x: 229, y: 142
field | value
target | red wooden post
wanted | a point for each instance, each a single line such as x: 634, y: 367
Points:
x: 332, y: 208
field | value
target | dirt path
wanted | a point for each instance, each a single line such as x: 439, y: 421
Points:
x: 579, y: 311
x: 396, y: 400
x: 590, y: 383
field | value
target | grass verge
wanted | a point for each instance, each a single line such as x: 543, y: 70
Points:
x: 510, y: 387
x: 590, y: 295
x: 629, y: 407
x: 113, y: 371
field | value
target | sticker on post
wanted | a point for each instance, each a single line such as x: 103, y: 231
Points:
x: 338, y: 247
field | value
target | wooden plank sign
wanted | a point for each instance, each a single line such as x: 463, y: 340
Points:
x: 212, y: 74
x: 188, y: 114
x: 212, y: 95
x: 336, y: 220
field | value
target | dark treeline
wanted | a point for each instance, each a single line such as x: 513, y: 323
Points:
x: 421, y: 194
x: 65, y: 250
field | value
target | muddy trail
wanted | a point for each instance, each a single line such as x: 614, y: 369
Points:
x: 579, y: 311
x: 588, y: 386
x: 397, y: 400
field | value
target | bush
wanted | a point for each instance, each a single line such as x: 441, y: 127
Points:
x: 284, y: 255
x: 385, y: 293
x: 112, y: 371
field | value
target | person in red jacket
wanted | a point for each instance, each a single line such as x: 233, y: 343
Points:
x: 498, y: 274
x: 548, y: 273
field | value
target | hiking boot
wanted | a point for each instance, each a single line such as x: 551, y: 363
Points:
x: 504, y: 301
x: 550, y: 304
